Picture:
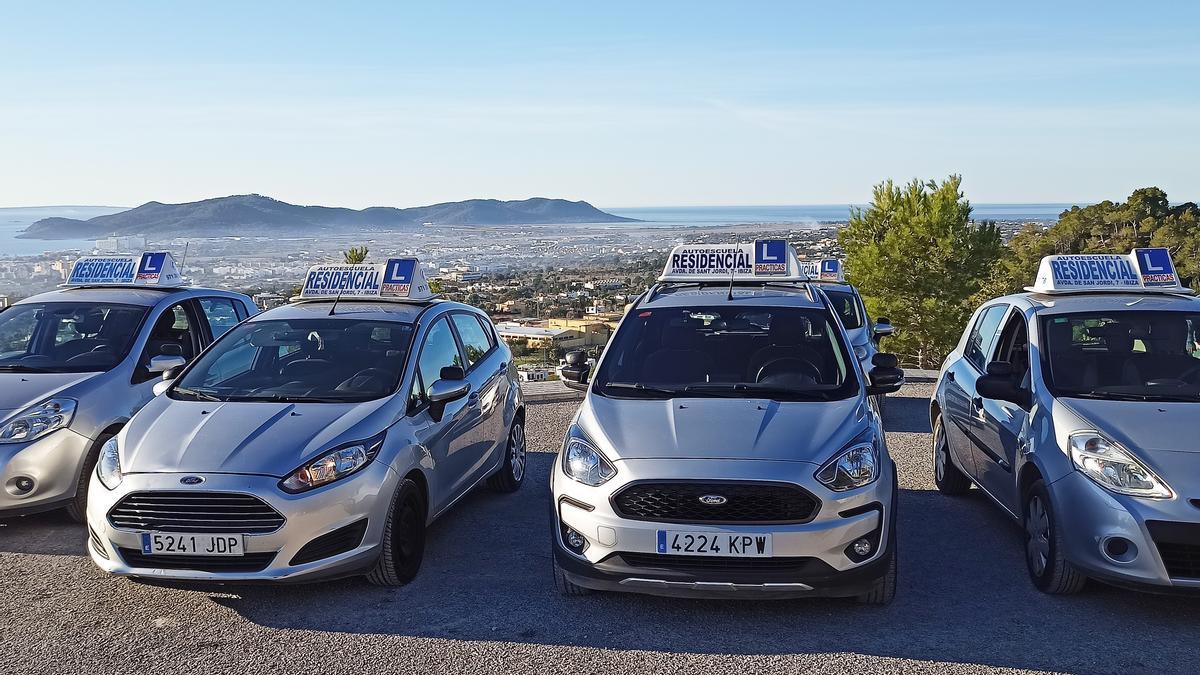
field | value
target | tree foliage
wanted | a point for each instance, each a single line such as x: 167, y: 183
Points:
x: 918, y: 259
x: 1145, y: 219
x: 356, y: 255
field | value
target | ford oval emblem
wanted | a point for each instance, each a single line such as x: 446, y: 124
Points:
x: 191, y: 480
x: 713, y: 500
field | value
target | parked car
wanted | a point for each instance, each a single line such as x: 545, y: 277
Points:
x: 1075, y: 406
x: 76, y: 363
x: 315, y: 440
x: 725, y: 447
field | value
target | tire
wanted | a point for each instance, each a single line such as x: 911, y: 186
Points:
x: 949, y: 479
x: 1048, y: 567
x: 512, y: 472
x: 564, y: 585
x: 77, y: 508
x: 403, y: 538
x: 883, y: 591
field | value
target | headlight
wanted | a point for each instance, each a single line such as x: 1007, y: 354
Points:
x: 1110, y: 465
x: 108, y: 466
x: 38, y: 421
x: 333, y: 465
x: 853, y: 467
x: 584, y: 463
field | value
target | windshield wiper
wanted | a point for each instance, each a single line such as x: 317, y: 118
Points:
x: 284, y: 398
x: 19, y: 368
x: 766, y: 390
x: 639, y: 387
x: 198, y: 395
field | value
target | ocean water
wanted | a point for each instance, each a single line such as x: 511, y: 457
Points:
x: 14, y: 220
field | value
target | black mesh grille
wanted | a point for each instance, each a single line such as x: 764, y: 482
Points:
x: 1179, y: 546
x: 701, y: 562
x: 250, y: 562
x: 339, y: 541
x: 206, y: 512
x: 680, y: 502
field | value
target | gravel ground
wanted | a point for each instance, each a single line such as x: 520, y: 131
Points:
x: 484, y: 603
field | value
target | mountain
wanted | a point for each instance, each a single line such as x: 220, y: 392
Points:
x: 256, y: 215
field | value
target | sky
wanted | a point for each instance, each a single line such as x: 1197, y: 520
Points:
x: 621, y: 104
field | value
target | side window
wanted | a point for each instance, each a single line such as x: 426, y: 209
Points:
x: 474, y: 337
x: 439, y: 351
x: 983, y: 336
x: 220, y: 313
x: 416, y: 395
x: 1013, y: 347
x: 172, y: 335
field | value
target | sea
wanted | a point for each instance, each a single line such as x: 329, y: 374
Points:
x: 14, y: 220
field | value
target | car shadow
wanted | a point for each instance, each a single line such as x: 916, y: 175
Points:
x: 964, y: 597
x: 49, y: 533
x: 906, y: 414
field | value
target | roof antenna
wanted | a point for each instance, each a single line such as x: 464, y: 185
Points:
x: 335, y: 302
x: 183, y: 263
x: 729, y: 298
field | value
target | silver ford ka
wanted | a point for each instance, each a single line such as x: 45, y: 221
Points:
x: 76, y: 364
x: 315, y: 440
x: 726, y: 448
x: 1076, y: 407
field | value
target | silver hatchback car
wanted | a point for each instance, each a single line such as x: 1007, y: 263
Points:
x: 315, y: 440
x: 1076, y: 407
x: 726, y: 447
x: 77, y: 363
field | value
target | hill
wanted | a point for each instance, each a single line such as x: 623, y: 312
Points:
x: 256, y: 215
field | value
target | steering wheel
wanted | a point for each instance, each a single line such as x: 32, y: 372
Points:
x: 784, y: 363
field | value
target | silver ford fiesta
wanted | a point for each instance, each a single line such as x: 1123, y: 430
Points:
x: 317, y: 439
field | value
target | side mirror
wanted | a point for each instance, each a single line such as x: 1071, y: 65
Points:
x: 576, y: 371
x: 886, y: 377
x: 999, y: 385
x: 166, y: 363
x: 444, y: 391
x: 883, y: 327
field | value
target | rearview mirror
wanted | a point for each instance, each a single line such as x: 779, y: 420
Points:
x: 999, y: 384
x: 444, y: 391
x: 883, y: 327
x: 885, y: 377
x: 576, y: 371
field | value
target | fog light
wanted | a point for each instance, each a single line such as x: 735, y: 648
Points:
x: 575, y: 540
x: 22, y: 484
x: 862, y: 547
x: 1119, y: 549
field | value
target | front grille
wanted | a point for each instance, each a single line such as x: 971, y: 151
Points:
x: 250, y: 562
x: 679, y: 502
x: 702, y: 562
x: 204, y: 512
x: 1178, y: 545
x: 339, y: 541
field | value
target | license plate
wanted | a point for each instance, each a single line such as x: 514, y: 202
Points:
x: 716, y: 544
x: 164, y: 543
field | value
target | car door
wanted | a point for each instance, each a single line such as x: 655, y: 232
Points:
x: 489, y: 388
x: 961, y: 421
x: 1001, y: 423
x: 447, y: 438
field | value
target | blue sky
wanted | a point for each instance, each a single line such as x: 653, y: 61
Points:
x: 621, y: 104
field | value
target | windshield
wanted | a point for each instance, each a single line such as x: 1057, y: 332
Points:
x: 1123, y: 355
x: 67, y: 337
x: 846, y: 305
x: 300, y: 361
x: 783, y: 353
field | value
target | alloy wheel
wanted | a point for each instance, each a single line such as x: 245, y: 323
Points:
x: 516, y: 444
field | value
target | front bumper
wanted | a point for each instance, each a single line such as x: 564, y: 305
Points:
x: 1157, y: 532
x: 53, y: 462
x: 808, y: 559
x: 364, y: 496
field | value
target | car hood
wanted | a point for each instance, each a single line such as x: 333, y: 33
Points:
x: 722, y: 428
x: 270, y: 439
x: 21, y: 390
x: 1145, y: 426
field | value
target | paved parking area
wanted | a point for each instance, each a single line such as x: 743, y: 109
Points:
x: 485, y: 603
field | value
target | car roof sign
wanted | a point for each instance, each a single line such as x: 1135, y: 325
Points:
x: 397, y: 279
x: 152, y: 268
x: 765, y: 260
x: 828, y: 270
x: 1143, y: 270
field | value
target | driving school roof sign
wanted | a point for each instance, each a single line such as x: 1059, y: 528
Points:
x: 829, y: 269
x: 765, y: 260
x: 1143, y: 270
x: 395, y: 279
x: 148, y: 269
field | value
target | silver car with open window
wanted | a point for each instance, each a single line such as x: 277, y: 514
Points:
x: 317, y: 439
x: 726, y: 447
x: 1076, y: 407
x: 78, y: 362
